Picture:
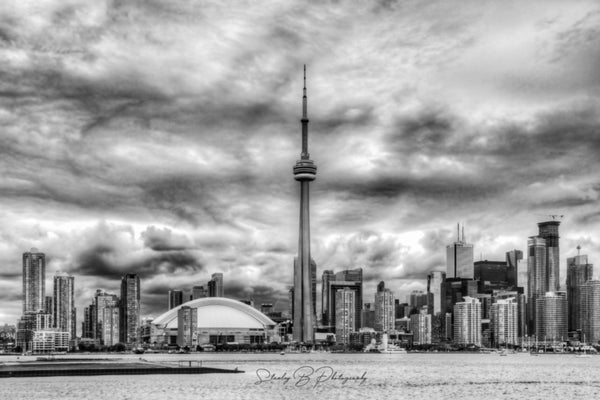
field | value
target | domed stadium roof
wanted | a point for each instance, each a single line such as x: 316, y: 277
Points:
x: 219, y: 312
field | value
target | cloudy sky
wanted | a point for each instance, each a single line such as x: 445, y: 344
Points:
x: 158, y: 138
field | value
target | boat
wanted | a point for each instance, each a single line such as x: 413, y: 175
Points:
x: 393, y: 350
x: 503, y: 352
x: 585, y: 354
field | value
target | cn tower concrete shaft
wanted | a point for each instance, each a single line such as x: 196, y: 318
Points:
x: 304, y: 171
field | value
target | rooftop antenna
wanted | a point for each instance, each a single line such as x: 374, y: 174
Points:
x: 458, y: 231
x: 578, y: 250
x: 463, y: 232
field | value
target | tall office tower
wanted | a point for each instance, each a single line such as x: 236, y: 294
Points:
x: 420, y: 325
x: 454, y: 290
x: 385, y: 312
x: 434, y: 288
x: 467, y: 322
x: 130, y: 309
x: 516, y: 268
x: 175, y: 298
x: 49, y: 305
x: 87, y: 330
x: 578, y: 273
x: 418, y: 299
x: 64, y: 304
x: 494, y: 275
x: 34, y: 281
x: 537, y: 283
x: 106, y: 321
x: 345, y: 322
x: 326, y: 277
x: 351, y: 278
x: 199, y: 292
x: 549, y: 232
x: 187, y: 325
x: 504, y: 322
x: 551, y: 317
x: 215, y: 285
x: 305, y: 171
x: 459, y: 258
x: 367, y: 316
x: 590, y: 307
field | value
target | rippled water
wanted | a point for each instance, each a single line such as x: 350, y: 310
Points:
x: 409, y: 376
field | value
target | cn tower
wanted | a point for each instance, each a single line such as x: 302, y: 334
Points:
x: 305, y: 171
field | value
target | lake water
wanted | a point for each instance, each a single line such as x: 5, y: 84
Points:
x: 336, y: 376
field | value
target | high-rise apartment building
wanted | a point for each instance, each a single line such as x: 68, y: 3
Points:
x: 351, y: 279
x: 504, y: 322
x: 420, y: 326
x: 590, y: 311
x: 34, y: 281
x: 175, y: 298
x: 64, y: 313
x: 551, y: 317
x: 459, y: 258
x: 578, y: 273
x: 542, y: 267
x: 367, y: 316
x: 467, y: 322
x: 345, y: 313
x: 517, y: 268
x: 325, y: 279
x: 215, y: 285
x: 385, y: 315
x: 130, y: 309
x: 434, y: 289
x: 107, y: 318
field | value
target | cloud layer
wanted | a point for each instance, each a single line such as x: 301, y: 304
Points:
x: 158, y: 138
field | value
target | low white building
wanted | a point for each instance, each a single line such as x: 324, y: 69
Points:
x: 50, y: 341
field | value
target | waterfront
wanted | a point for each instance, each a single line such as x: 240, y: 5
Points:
x: 414, y: 376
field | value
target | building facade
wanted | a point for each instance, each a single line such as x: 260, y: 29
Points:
x: 420, y: 326
x: 385, y: 311
x: 578, y: 273
x: 130, y: 309
x: 215, y: 285
x: 34, y: 281
x: 504, y: 322
x: 434, y: 289
x: 175, y: 298
x: 467, y: 322
x: 345, y: 321
x: 590, y: 310
x: 64, y: 313
x: 551, y: 317
x: 459, y: 259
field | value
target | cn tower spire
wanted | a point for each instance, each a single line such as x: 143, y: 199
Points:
x: 305, y: 269
x: 304, y: 120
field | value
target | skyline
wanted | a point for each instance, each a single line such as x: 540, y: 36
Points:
x: 157, y: 139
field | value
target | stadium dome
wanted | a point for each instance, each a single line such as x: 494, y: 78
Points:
x: 214, y: 320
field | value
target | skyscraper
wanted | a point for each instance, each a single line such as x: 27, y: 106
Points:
x: 215, y: 285
x: 107, y: 318
x: 504, y: 322
x: 305, y: 171
x: 327, y: 276
x: 459, y: 258
x: 385, y: 313
x: 64, y: 304
x: 549, y: 232
x: 551, y: 317
x: 578, y: 273
x: 467, y: 322
x: 344, y: 314
x: 34, y: 281
x: 129, y: 309
x: 352, y: 279
x: 434, y: 287
x: 542, y: 267
x: 420, y: 325
x: 175, y: 298
x: 590, y: 311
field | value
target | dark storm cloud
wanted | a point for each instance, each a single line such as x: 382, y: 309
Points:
x: 164, y: 240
